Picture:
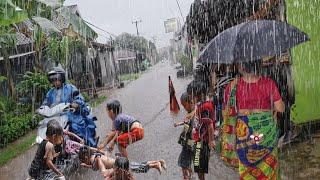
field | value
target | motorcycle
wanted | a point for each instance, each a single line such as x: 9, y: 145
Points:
x: 72, y: 120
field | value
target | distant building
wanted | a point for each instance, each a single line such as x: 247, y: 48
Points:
x: 127, y: 61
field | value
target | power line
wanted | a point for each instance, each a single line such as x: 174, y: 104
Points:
x: 100, y: 28
x: 180, y: 11
x: 136, y: 22
x: 116, y: 43
x: 119, y: 44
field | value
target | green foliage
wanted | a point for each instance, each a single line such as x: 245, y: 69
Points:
x: 86, y: 96
x: 2, y: 79
x: 53, y: 48
x: 7, y: 105
x: 128, y: 41
x: 15, y: 126
x: 33, y: 83
x: 129, y: 77
x: 9, y: 14
x: 98, y: 101
x: 185, y: 62
x: 16, y: 149
x: 64, y: 50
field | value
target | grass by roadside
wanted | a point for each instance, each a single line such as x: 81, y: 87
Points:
x: 16, y: 148
x: 129, y: 77
x: 97, y: 101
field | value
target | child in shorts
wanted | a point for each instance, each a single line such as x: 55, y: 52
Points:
x: 126, y: 129
x: 185, y: 139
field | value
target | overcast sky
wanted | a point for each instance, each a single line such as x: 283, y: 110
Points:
x: 116, y: 16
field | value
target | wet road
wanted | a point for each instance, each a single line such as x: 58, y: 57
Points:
x: 147, y: 99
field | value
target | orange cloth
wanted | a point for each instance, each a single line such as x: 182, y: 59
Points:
x: 130, y: 137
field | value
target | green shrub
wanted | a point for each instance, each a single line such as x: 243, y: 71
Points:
x: 14, y: 127
x: 185, y: 62
x: 86, y: 96
x: 33, y: 83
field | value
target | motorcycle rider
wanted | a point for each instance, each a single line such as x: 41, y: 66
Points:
x: 64, y: 92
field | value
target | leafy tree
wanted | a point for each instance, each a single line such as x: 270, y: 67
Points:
x: 185, y: 62
x: 128, y: 41
x: 33, y: 85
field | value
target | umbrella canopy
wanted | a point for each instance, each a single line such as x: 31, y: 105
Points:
x: 252, y: 41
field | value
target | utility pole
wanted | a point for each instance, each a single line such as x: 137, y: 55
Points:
x: 136, y: 22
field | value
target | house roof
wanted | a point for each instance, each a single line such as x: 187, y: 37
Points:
x: 22, y: 39
x: 51, y: 3
x: 101, y: 45
x: 67, y: 16
x: 46, y: 25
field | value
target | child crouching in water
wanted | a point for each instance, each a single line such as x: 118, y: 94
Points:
x: 126, y: 129
x: 185, y: 139
x: 98, y: 161
x: 45, y: 155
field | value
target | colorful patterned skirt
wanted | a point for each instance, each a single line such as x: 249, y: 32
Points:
x: 228, y: 142
x: 256, y: 139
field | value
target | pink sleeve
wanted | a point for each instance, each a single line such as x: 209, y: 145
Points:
x: 275, y: 92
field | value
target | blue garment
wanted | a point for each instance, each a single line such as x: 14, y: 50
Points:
x: 80, y: 122
x: 123, y: 122
x: 64, y: 95
x: 66, y: 90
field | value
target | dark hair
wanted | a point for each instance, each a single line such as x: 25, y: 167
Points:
x: 197, y: 88
x: 84, y: 152
x: 122, y: 172
x: 252, y: 66
x: 54, y: 128
x: 122, y: 163
x: 185, y: 97
x: 115, y: 106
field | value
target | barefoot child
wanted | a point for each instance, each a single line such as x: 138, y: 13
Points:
x: 203, y: 128
x: 98, y: 161
x: 185, y: 139
x: 126, y: 129
x: 46, y: 154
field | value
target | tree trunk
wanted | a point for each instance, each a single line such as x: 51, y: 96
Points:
x: 38, y: 66
x: 7, y: 66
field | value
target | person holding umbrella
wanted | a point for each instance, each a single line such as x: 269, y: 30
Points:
x: 257, y: 100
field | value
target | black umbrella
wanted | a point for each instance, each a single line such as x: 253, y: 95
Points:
x: 252, y: 41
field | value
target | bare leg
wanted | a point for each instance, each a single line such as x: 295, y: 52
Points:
x: 123, y: 151
x: 163, y: 164
x: 190, y: 172
x: 156, y: 165
x: 201, y: 176
x: 185, y: 172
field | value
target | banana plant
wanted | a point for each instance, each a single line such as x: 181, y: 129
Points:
x: 9, y: 15
x: 53, y: 49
